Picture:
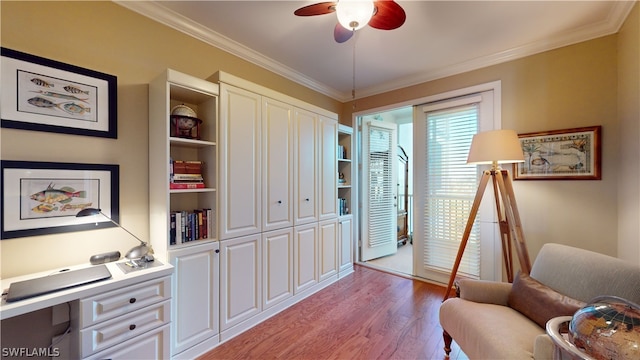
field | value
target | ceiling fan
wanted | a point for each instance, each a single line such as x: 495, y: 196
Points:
x: 355, y: 14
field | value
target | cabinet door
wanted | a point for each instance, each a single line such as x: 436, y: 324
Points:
x: 328, y: 250
x: 195, y: 308
x: 305, y: 256
x: 306, y: 166
x: 328, y: 168
x: 240, y: 165
x: 240, y: 279
x: 277, y: 250
x: 345, y: 231
x: 277, y: 164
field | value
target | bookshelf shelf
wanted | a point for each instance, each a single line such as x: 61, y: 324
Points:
x: 345, y: 170
x: 167, y: 91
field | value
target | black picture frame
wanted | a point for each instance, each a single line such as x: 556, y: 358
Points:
x: 41, y: 94
x: 42, y: 198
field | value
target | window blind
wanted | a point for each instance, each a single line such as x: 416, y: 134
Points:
x: 449, y: 189
x: 381, y: 186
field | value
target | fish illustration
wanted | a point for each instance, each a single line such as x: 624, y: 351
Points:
x: 42, y: 83
x: 41, y: 102
x: 74, y: 90
x: 44, y: 208
x: 66, y: 207
x: 62, y: 195
x: 75, y: 109
x: 59, y: 95
x: 70, y: 107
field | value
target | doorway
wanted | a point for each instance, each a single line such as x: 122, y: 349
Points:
x: 396, y: 254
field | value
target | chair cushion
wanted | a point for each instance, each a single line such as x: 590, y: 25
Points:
x: 489, y: 331
x: 539, y: 302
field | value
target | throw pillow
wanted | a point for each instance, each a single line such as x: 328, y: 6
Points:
x: 539, y: 302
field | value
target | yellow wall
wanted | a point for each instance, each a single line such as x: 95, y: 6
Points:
x: 106, y: 37
x: 570, y: 87
x: 564, y: 88
x: 629, y: 141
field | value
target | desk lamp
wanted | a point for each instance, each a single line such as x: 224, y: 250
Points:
x: 138, y: 254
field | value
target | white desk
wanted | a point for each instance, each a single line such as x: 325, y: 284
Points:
x: 128, y: 314
x: 118, y: 280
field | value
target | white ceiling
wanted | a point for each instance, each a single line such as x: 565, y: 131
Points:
x: 439, y: 38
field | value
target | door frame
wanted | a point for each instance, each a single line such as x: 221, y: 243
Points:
x: 496, y: 86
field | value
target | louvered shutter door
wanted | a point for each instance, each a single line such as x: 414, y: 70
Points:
x: 449, y: 189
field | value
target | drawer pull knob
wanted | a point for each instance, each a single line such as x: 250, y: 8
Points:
x: 307, y: 199
x: 132, y: 300
x: 132, y: 327
x: 279, y: 201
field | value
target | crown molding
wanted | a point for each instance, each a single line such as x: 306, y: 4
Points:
x: 159, y: 13
x: 610, y: 26
x: 167, y: 17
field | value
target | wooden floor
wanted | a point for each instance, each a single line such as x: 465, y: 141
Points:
x: 367, y: 315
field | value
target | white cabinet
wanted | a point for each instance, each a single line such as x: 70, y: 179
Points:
x: 306, y: 257
x: 165, y: 92
x: 240, y: 279
x: 277, y: 260
x: 345, y: 244
x: 328, y: 248
x: 305, y: 155
x: 195, y: 297
x: 240, y: 162
x: 129, y: 314
x: 195, y: 287
x: 277, y: 160
x: 328, y: 196
x: 277, y: 164
x: 278, y: 202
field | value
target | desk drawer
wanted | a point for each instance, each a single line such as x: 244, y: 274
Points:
x: 118, y: 330
x: 123, y: 301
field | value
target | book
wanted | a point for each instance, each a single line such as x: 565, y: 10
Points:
x: 187, y: 177
x: 186, y: 185
x: 193, y: 225
x: 187, y: 167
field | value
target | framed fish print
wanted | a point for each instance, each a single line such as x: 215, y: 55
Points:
x: 46, y: 95
x: 41, y: 198
x: 571, y: 154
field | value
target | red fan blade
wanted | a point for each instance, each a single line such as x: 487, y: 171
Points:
x: 388, y: 16
x: 317, y: 9
x: 341, y: 34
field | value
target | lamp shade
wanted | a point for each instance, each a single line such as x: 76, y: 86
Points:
x: 497, y: 146
x: 354, y: 14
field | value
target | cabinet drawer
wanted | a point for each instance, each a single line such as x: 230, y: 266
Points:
x: 123, y: 301
x: 152, y: 345
x: 116, y: 331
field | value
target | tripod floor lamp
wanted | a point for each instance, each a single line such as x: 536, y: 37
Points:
x: 497, y: 147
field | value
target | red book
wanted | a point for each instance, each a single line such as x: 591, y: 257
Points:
x: 177, y: 186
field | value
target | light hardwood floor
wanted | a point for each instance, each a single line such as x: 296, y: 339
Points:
x: 367, y: 315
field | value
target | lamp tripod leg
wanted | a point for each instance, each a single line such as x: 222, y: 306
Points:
x: 513, y: 216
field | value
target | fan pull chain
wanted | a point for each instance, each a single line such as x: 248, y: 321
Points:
x: 353, y: 89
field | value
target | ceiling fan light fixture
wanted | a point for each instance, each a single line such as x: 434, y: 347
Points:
x: 354, y: 14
